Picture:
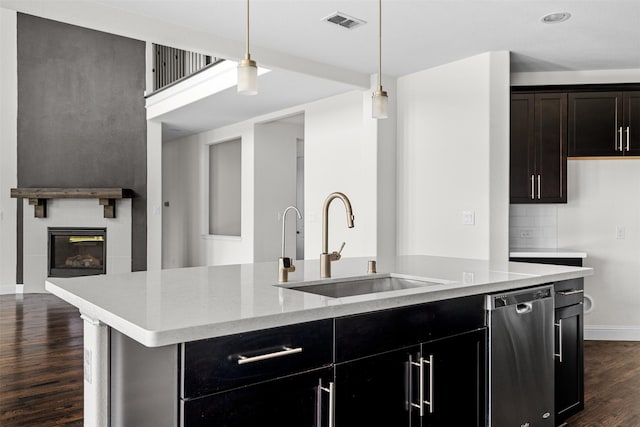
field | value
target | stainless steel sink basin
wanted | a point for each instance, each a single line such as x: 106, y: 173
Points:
x: 361, y: 287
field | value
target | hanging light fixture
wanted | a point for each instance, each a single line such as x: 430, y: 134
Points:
x: 380, y: 100
x: 247, y: 69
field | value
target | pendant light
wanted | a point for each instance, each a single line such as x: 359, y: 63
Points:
x: 247, y: 69
x: 379, y: 100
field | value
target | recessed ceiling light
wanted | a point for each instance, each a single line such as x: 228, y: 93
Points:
x: 555, y: 17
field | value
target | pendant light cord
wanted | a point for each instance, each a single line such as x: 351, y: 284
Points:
x: 247, y: 55
x: 379, y: 44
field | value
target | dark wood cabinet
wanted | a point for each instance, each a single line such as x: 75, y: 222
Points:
x: 604, y: 123
x: 387, y: 360
x: 374, y: 391
x: 420, y: 365
x: 386, y: 389
x: 297, y: 401
x: 569, y: 385
x: 631, y: 122
x: 454, y: 382
x: 538, y: 154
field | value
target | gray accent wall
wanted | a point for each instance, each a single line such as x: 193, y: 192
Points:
x: 81, y: 114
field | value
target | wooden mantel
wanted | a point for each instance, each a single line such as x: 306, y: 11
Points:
x: 38, y: 197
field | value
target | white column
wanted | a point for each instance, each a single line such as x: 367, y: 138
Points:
x: 154, y: 195
x: 96, y: 373
x: 8, y: 148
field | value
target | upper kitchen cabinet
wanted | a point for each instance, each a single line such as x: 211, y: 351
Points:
x: 604, y: 123
x: 538, y: 155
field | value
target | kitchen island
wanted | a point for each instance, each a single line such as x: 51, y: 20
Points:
x: 157, y: 316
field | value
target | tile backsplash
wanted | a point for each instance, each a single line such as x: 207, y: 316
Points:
x: 533, y: 226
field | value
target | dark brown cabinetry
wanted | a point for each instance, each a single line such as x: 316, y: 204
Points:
x: 604, y: 123
x: 538, y: 155
x: 279, y: 376
x: 423, y: 365
x: 569, y: 366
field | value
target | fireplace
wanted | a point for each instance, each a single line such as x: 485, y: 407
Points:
x: 77, y: 251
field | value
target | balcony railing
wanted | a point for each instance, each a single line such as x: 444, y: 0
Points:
x: 171, y: 65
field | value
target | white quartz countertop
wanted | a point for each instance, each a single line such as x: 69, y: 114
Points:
x: 546, y: 253
x: 158, y: 308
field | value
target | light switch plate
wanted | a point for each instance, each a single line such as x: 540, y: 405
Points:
x: 621, y: 232
x: 468, y: 217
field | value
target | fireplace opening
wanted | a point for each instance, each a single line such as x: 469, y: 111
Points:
x: 77, y: 251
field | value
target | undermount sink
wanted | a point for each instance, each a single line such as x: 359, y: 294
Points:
x: 365, y: 286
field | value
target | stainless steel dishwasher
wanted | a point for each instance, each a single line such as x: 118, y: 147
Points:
x: 521, y: 358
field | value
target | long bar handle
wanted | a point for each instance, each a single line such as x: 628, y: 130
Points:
x: 284, y: 352
x: 329, y: 390
x: 538, y: 187
x: 532, y: 186
x: 570, y: 292
x: 559, y: 354
x: 420, y: 365
x: 620, y: 137
x: 628, y: 132
x: 430, y: 401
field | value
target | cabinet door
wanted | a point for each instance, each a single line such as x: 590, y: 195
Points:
x: 291, y: 401
x: 374, y: 391
x: 521, y: 157
x: 569, y: 375
x: 550, y: 138
x: 595, y: 119
x: 631, y: 124
x: 455, y: 381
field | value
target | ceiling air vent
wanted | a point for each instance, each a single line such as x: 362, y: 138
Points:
x: 344, y: 20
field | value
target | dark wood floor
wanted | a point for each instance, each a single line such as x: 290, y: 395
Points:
x: 41, y: 369
x: 40, y: 362
x: 611, y: 385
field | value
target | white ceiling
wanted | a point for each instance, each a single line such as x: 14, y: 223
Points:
x: 312, y: 59
x: 419, y: 34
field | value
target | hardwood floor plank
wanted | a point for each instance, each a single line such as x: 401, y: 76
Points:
x: 41, y: 373
x: 612, y: 385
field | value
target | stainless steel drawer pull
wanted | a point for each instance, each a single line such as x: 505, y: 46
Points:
x: 620, y: 131
x: 319, y: 404
x: 532, y: 187
x: 628, y: 132
x: 538, y: 187
x: 570, y: 292
x: 430, y: 401
x: 559, y: 353
x: 420, y: 365
x: 284, y: 352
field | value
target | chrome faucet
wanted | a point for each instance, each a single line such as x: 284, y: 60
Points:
x: 325, y: 257
x: 285, y: 264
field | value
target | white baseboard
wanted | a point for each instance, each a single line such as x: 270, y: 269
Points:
x: 11, y: 289
x: 611, y: 333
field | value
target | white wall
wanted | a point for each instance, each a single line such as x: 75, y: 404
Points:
x: 154, y: 195
x: 181, y: 189
x: 186, y: 167
x: 341, y: 149
x: 275, y: 188
x: 605, y: 194
x: 341, y: 155
x: 602, y: 194
x: 8, y: 148
x: 452, y: 156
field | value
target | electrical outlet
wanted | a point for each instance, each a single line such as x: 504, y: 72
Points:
x: 526, y: 234
x: 468, y: 218
x: 621, y: 232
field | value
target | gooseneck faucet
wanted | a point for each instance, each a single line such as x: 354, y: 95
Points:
x: 285, y: 264
x: 325, y: 257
